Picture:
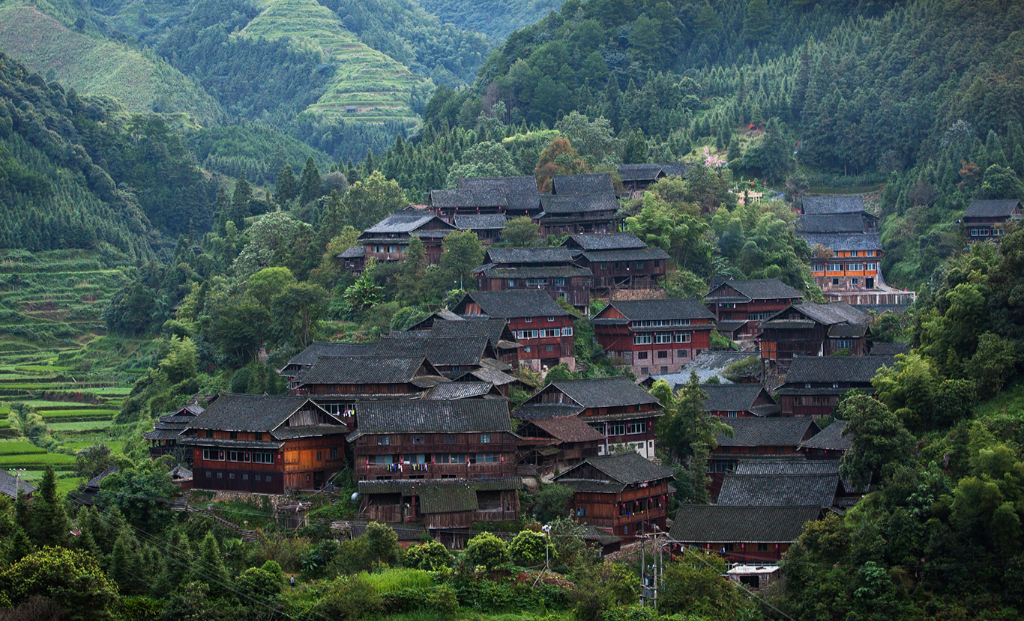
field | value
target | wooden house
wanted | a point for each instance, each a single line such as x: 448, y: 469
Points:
x: 636, y: 178
x: 764, y: 437
x: 10, y: 484
x: 265, y: 444
x: 451, y: 356
x: 488, y: 228
x: 163, y: 440
x: 618, y: 260
x: 301, y: 362
x: 625, y: 493
x: 832, y: 205
x: 654, y: 336
x: 388, y: 240
x: 501, y: 338
x: 621, y: 411
x: 740, y: 306
x: 88, y: 493
x: 353, y: 259
x: 446, y: 507
x: 739, y: 400
x: 453, y: 391
x: 780, y: 489
x: 845, y: 262
x: 511, y: 197
x: 814, y: 384
x: 811, y: 329
x: 337, y: 383
x: 830, y: 444
x: 543, y: 328
x: 580, y: 204
x: 552, y: 270
x: 987, y: 219
x: 426, y: 439
x: 742, y: 533
x: 558, y: 442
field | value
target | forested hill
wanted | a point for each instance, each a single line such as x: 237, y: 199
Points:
x: 922, y: 96
x: 81, y: 173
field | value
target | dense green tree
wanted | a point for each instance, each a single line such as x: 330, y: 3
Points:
x: 372, y: 199
x: 382, y: 544
x: 879, y: 440
x: 285, y: 188
x: 268, y: 283
x: 299, y: 308
x: 521, y: 232
x: 431, y: 556
x: 50, y: 525
x: 461, y: 253
x: 142, y: 496
x: 486, y: 550
x: 309, y: 183
x: 72, y: 579
x: 240, y: 199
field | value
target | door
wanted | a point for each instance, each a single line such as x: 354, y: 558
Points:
x: 318, y: 479
x: 869, y: 283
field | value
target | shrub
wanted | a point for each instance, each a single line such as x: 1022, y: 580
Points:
x: 487, y: 550
x: 348, y: 598
x: 528, y: 549
x: 430, y: 556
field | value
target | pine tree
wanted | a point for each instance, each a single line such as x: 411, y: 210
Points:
x: 240, y: 201
x: 757, y: 24
x: 1018, y: 160
x: 410, y: 281
x: 309, y: 183
x: 126, y: 564
x: 212, y: 567
x: 50, y: 523
x: 734, y: 149
x: 284, y: 188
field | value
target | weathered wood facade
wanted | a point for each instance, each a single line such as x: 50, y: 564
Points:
x: 987, y: 219
x: 750, y: 302
x: 163, y: 440
x: 814, y: 384
x: 618, y: 260
x: 552, y: 270
x: 741, y: 534
x: 447, y: 507
x: 811, y: 329
x: 580, y: 204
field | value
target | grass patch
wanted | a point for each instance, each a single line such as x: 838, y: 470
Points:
x: 19, y: 447
x: 116, y: 446
x: 76, y: 414
x: 1010, y: 401
x: 392, y: 580
x: 80, y: 426
x: 37, y: 461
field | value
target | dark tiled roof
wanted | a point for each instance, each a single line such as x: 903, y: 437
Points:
x: 604, y: 241
x: 729, y: 326
x: 240, y: 412
x: 776, y: 490
x: 639, y: 172
x: 831, y: 438
x: 637, y: 310
x: 308, y: 431
x: 830, y: 314
x: 553, y: 271
x: 180, y: 472
x: 97, y: 480
x: 516, y: 256
x: 465, y: 351
x: 587, y: 486
x: 784, y: 431
x: 628, y: 468
x: 787, y: 466
x: 529, y: 411
x: 459, y: 390
x: 583, y: 184
x: 593, y: 533
x: 836, y: 223
x: 604, y: 392
x: 491, y: 373
x: 404, y: 223
x: 629, y: 254
x: 466, y: 198
x: 889, y: 349
x: 847, y: 331
x: 568, y: 429
x: 353, y: 253
x: 558, y: 204
x: 720, y: 524
x: 731, y: 397
x: 520, y: 193
x: 829, y: 205
x: 516, y: 303
x: 163, y: 434
x: 831, y: 369
x: 470, y: 327
x: 843, y: 242
x: 10, y: 484
x: 476, y: 223
x: 763, y: 289
x: 991, y: 208
x: 317, y: 349
x: 363, y: 370
x: 463, y: 416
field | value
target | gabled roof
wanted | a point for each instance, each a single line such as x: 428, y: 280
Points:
x: 10, y: 484
x: 834, y: 369
x: 777, y: 490
x: 758, y: 431
x: 998, y: 208
x: 543, y: 271
x: 514, y: 303
x: 723, y: 524
x: 604, y: 241
x: 639, y: 310
x: 583, y: 184
x: 466, y: 198
x: 841, y: 242
x: 464, y: 351
x: 830, y: 438
x: 626, y: 254
x: 628, y: 468
x: 787, y: 466
x: 520, y: 193
x: 829, y: 205
x: 253, y: 413
x: 516, y: 256
x: 539, y: 411
x: 353, y: 253
x: 827, y: 314
x: 496, y: 329
x: 734, y: 398
x: 366, y: 370
x: 318, y: 349
x: 96, y: 481
x: 763, y: 289
x: 404, y: 223
x: 462, y: 416
x: 452, y: 391
x: 558, y: 204
x: 603, y: 392
x: 639, y: 172
x: 479, y: 223
x: 847, y: 331
x: 568, y: 429
x: 835, y: 223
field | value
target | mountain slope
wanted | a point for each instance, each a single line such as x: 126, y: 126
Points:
x: 95, y: 66
x: 495, y: 18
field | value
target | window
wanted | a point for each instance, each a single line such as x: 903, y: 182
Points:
x: 380, y: 460
x: 451, y: 458
x: 663, y: 354
x: 209, y: 433
x: 762, y: 547
x: 231, y: 475
x: 729, y: 547
x: 257, y: 477
x: 551, y: 318
x: 528, y: 320
x: 567, y: 331
x: 581, y: 512
x: 682, y: 353
x: 855, y: 281
x: 662, y: 337
x: 835, y: 282
x: 319, y: 456
x: 213, y: 455
x: 485, y: 438
x: 247, y: 457
x: 682, y: 337
x: 234, y: 435
x: 818, y: 267
x: 734, y: 414
x: 855, y: 253
x: 267, y: 478
x: 559, y: 282
x: 486, y: 458
x: 657, y: 264
x: 679, y: 322
x: 259, y: 436
x: 643, y: 371
x: 871, y: 267
x: 604, y: 266
x: 234, y: 456
x: 635, y: 428
x: 617, y: 429
x: 844, y: 344
x: 334, y: 453
x: 449, y: 439
x: 641, y: 355
x: 641, y: 339
x: 417, y: 439
x: 835, y: 267
x: 511, y: 283
x: 383, y: 440
x: 209, y: 475
x: 855, y: 267
x: 639, y: 265
x: 220, y: 475
x: 527, y: 350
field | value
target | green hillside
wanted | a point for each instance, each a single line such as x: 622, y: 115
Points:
x: 496, y: 18
x: 93, y: 65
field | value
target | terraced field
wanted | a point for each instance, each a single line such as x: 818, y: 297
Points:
x: 368, y: 86
x: 55, y: 357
